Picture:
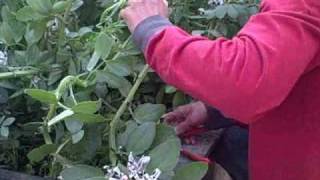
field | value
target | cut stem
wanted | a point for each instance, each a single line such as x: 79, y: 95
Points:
x: 116, y: 119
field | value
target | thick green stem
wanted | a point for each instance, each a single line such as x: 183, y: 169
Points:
x: 46, y: 135
x: 15, y: 74
x: 115, y: 121
x: 64, y: 22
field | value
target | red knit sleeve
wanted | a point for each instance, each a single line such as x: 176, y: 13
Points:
x: 242, y: 77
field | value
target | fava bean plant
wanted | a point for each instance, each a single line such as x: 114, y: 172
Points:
x: 76, y: 95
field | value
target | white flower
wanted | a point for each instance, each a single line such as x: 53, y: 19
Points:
x: 136, y: 168
x: 3, y: 58
x: 53, y: 24
x: 115, y: 174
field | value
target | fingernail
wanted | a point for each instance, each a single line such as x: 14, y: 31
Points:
x: 164, y: 116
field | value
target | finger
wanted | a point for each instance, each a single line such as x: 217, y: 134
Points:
x: 193, y: 140
x: 173, y: 121
x: 183, y: 110
x: 178, y: 115
x: 173, y: 117
x: 169, y: 117
x: 124, y: 12
x: 189, y: 140
x: 183, y: 127
x: 166, y: 115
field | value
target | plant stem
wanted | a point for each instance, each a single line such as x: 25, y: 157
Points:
x: 46, y: 135
x: 115, y: 121
x: 72, y: 95
x: 15, y: 74
x: 45, y: 132
x: 64, y: 22
x: 52, y: 173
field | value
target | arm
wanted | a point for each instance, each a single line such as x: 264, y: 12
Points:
x: 243, y: 77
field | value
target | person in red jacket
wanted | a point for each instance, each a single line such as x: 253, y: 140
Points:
x: 266, y: 77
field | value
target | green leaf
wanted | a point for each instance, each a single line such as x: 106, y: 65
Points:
x: 88, y: 107
x: 17, y: 29
x: 119, y: 68
x: 170, y: 89
x: 84, y: 30
x: 33, y: 55
x: 149, y: 112
x: 73, y: 125
x: 35, y: 32
x: 141, y: 138
x: 93, y: 61
x: 163, y: 133
x: 6, y: 14
x: 41, y: 6
x: 179, y: 99
x: 8, y: 121
x: 104, y: 45
x: 4, y: 96
x: 87, y: 148
x: 77, y: 136
x: 37, y: 154
x: 28, y: 14
x: 2, y: 119
x: 73, y: 68
x: 60, y: 6
x: 6, y: 34
x: 232, y: 11
x: 76, y: 4
x: 42, y: 95
x: 81, y: 172
x: 4, y: 131
x: 114, y: 81
x: 192, y: 171
x: 54, y: 76
x: 221, y: 11
x: 64, y: 114
x: 124, y: 137
x: 165, y: 156
x: 103, y: 48
x: 88, y: 118
x: 167, y: 175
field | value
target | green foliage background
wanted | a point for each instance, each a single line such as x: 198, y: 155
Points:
x: 75, y: 89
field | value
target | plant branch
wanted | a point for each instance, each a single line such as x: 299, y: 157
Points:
x: 115, y: 121
x: 46, y: 135
x: 15, y: 74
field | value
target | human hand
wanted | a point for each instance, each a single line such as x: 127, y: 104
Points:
x: 187, y: 117
x: 138, y: 10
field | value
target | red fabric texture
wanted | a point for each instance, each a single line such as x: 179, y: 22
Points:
x: 267, y: 77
